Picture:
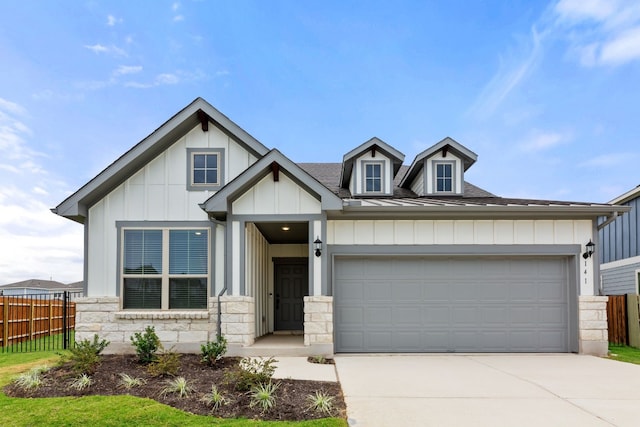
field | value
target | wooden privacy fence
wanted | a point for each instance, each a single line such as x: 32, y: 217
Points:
x: 623, y: 317
x: 34, y: 318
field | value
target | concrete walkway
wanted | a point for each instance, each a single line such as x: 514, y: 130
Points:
x: 489, y: 390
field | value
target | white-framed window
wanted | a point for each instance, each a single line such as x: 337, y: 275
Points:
x: 373, y: 177
x: 205, y: 168
x: 165, y: 268
x: 444, y: 177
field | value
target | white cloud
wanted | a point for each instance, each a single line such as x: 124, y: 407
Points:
x: 112, y: 20
x: 602, y: 32
x: 511, y: 73
x: 36, y: 243
x: 167, y: 79
x: 178, y: 18
x: 15, y: 155
x: 175, y: 6
x: 539, y: 141
x: 159, y: 80
x: 42, y: 244
x: 608, y: 160
x: 11, y: 107
x: 127, y: 69
x: 113, y: 50
x: 623, y: 49
x: 577, y: 10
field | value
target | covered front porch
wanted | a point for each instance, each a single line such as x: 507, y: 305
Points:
x: 282, y: 309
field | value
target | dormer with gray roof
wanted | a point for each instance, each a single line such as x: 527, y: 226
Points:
x: 439, y: 170
x: 370, y: 168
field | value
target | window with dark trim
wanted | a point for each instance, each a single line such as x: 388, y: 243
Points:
x: 373, y: 177
x: 444, y: 177
x: 165, y: 268
x: 205, y: 168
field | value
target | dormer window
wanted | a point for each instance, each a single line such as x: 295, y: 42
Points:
x: 373, y: 177
x: 205, y: 168
x: 445, y: 177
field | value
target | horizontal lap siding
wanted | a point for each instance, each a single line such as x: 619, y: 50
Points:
x: 620, y: 280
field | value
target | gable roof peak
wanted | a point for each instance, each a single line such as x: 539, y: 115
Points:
x: 198, y: 111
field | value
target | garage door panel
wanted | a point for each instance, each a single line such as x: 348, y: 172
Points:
x: 378, y: 291
x: 379, y: 315
x: 435, y: 315
x: 550, y: 292
x: 407, y: 292
x: 432, y: 304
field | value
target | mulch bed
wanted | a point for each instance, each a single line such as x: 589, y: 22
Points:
x: 291, y: 397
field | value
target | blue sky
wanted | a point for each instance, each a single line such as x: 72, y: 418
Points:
x: 545, y: 92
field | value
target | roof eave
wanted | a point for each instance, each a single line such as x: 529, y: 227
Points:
x: 494, y: 212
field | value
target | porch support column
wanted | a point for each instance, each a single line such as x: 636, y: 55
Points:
x: 316, y: 288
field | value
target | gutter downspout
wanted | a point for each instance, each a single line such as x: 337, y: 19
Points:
x: 609, y: 220
x: 224, y: 287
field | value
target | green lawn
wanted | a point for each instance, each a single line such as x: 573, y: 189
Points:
x: 624, y: 353
x: 46, y: 343
x: 104, y: 410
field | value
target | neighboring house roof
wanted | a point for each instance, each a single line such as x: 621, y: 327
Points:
x: 624, y: 198
x: 42, y: 284
x: 217, y: 204
x: 199, y: 111
x: 374, y: 144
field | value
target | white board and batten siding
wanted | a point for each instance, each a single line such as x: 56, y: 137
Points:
x: 467, y: 232
x: 158, y: 192
x: 282, y: 197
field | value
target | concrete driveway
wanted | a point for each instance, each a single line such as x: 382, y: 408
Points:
x: 489, y: 390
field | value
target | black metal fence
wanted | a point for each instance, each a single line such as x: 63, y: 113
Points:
x: 37, y: 322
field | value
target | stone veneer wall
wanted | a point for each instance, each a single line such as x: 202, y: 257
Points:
x: 238, y: 320
x: 318, y: 324
x: 592, y: 325
x: 184, y: 330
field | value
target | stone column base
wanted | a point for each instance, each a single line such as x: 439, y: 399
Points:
x: 592, y: 325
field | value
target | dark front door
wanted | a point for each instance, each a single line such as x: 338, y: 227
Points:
x: 291, y: 285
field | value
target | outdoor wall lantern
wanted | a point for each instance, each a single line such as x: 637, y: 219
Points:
x: 317, y: 246
x: 591, y: 247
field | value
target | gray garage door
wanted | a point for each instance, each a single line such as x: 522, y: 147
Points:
x: 431, y: 304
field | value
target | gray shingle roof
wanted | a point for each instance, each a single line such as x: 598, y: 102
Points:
x: 43, y: 284
x: 329, y: 175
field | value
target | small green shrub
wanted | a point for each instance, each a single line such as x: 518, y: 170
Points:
x: 213, y: 351
x: 128, y: 382
x: 319, y: 359
x: 167, y: 363
x: 321, y: 402
x: 147, y: 345
x: 81, y: 382
x: 85, y: 355
x: 32, y: 379
x: 264, y: 396
x: 215, y: 398
x: 251, y: 372
x: 179, y: 386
